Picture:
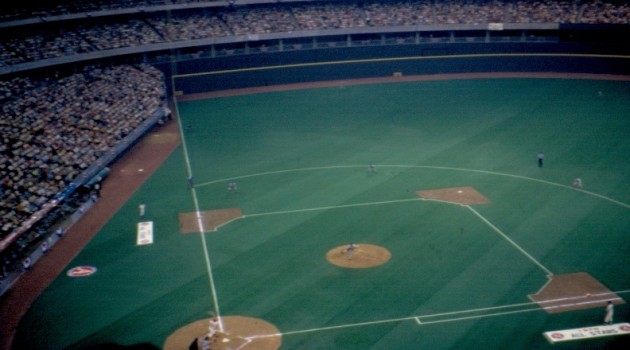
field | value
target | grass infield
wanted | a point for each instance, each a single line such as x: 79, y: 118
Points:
x: 458, y: 277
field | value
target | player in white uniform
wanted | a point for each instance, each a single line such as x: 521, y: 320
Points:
x: 610, y: 310
x: 214, y: 328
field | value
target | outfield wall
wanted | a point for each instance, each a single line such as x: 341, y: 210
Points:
x: 325, y: 64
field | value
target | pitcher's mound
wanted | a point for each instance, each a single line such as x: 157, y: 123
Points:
x: 459, y: 195
x: 574, y: 291
x: 363, y: 256
x: 210, y: 219
x: 239, y: 333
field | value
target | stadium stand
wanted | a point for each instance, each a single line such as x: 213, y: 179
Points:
x: 56, y: 135
x: 60, y: 130
x: 151, y: 22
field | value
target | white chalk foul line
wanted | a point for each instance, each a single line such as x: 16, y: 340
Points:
x: 496, y: 229
x: 206, y: 255
x: 417, y: 319
x: 423, y: 320
x: 496, y: 314
x: 228, y: 222
x: 333, y: 207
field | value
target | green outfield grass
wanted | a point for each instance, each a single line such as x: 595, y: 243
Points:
x: 458, y: 278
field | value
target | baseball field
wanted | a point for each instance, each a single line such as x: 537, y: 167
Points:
x: 461, y: 239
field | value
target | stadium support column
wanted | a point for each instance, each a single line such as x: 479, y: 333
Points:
x: 280, y: 45
x: 173, y: 62
x: 173, y: 52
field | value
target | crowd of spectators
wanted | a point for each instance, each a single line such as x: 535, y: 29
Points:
x: 53, y: 129
x: 606, y: 12
x: 329, y: 15
x: 407, y: 13
x: 258, y: 20
x: 46, y: 8
x: 563, y: 11
x: 189, y: 26
x: 74, y: 37
x: 107, y: 35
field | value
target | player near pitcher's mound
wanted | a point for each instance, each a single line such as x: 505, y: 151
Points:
x: 350, y: 250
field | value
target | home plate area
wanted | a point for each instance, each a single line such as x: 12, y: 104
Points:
x: 239, y: 333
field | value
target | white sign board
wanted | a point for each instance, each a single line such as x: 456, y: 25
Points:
x: 145, y: 233
x: 587, y: 332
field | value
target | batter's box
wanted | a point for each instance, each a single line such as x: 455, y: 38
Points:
x: 208, y: 220
x: 574, y: 291
x: 465, y: 195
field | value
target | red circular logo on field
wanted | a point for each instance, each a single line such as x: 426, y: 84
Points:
x: 81, y: 271
x: 557, y: 335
